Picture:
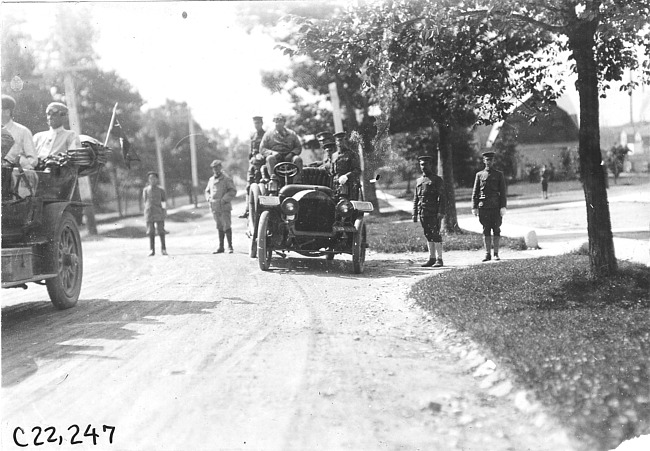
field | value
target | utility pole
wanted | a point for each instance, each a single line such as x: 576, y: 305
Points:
x: 85, y: 190
x: 195, y: 174
x: 159, y: 154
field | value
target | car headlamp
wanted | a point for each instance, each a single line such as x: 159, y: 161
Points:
x: 344, y: 208
x: 289, y: 206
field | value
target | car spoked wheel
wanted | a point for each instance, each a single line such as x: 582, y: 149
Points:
x: 264, y: 237
x: 359, y: 246
x: 67, y: 264
x: 253, y: 204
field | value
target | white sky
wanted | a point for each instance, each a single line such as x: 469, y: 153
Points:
x: 210, y: 62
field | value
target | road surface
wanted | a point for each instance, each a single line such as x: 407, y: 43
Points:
x: 201, y: 351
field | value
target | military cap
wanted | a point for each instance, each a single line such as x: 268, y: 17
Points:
x: 258, y: 118
x: 56, y: 107
x: 8, y: 102
x: 152, y: 173
x: 425, y: 158
x: 324, y: 137
x: 279, y: 117
x: 340, y: 135
x: 216, y: 163
x: 488, y: 154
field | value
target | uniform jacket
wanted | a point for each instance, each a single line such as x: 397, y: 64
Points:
x: 489, y: 189
x: 153, y: 197
x: 256, y: 140
x: 283, y: 143
x: 429, y: 198
x: 220, y: 192
x: 347, y: 162
x: 55, y: 141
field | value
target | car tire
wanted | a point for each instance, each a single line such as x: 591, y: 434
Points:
x: 67, y: 262
x: 264, y: 249
x: 359, y: 246
x: 253, y: 205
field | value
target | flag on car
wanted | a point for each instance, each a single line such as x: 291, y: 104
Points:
x: 128, y: 153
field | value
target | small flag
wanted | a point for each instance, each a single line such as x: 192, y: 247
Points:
x: 128, y: 154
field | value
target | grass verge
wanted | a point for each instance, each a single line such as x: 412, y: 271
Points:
x: 581, y: 345
x: 396, y: 232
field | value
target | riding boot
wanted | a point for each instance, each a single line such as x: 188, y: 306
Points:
x: 229, y: 239
x: 152, y: 245
x: 438, y: 249
x: 163, y: 247
x: 432, y: 255
x: 221, y: 235
x: 496, y: 247
x: 487, y: 239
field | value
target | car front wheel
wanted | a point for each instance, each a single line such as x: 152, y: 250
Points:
x: 67, y: 263
x: 359, y: 246
x: 264, y: 249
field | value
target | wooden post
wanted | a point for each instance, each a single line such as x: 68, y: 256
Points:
x: 195, y: 175
x: 159, y: 154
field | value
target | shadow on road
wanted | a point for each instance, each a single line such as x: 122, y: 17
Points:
x: 37, y: 331
x: 373, y: 269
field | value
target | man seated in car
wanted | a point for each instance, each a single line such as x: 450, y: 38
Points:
x: 346, y: 168
x: 281, y: 144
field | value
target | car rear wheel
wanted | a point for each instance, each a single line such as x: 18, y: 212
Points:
x: 359, y: 246
x: 264, y: 249
x: 253, y: 204
x: 67, y: 263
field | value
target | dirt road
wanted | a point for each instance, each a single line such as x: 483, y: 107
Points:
x: 201, y: 351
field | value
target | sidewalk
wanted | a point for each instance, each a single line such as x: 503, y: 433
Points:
x: 551, y: 241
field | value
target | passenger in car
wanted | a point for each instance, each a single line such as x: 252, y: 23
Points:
x: 346, y: 169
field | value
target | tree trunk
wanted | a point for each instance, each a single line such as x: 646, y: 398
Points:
x: 451, y: 218
x: 599, y: 228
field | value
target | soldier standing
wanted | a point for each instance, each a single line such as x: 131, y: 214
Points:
x: 219, y: 193
x: 255, y: 160
x: 489, y: 203
x: 154, y: 200
x: 346, y: 168
x: 429, y: 205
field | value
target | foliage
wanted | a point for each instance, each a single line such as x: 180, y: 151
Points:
x: 615, y: 159
x: 604, y: 38
x: 506, y: 151
x: 580, y: 343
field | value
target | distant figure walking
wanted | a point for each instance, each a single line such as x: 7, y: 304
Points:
x: 155, y: 206
x: 489, y: 203
x: 544, y: 176
x: 429, y: 203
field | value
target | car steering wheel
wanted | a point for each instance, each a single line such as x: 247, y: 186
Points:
x: 285, y: 170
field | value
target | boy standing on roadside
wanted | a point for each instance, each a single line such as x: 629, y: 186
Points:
x: 155, y: 202
x: 489, y: 203
x: 429, y: 204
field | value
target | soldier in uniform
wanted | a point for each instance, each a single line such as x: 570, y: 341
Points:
x: 346, y: 169
x: 219, y: 193
x: 489, y: 203
x: 255, y: 159
x: 429, y: 205
x: 281, y: 144
x: 326, y: 141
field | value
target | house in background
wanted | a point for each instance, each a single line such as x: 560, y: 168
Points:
x: 546, y: 141
x: 555, y: 133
